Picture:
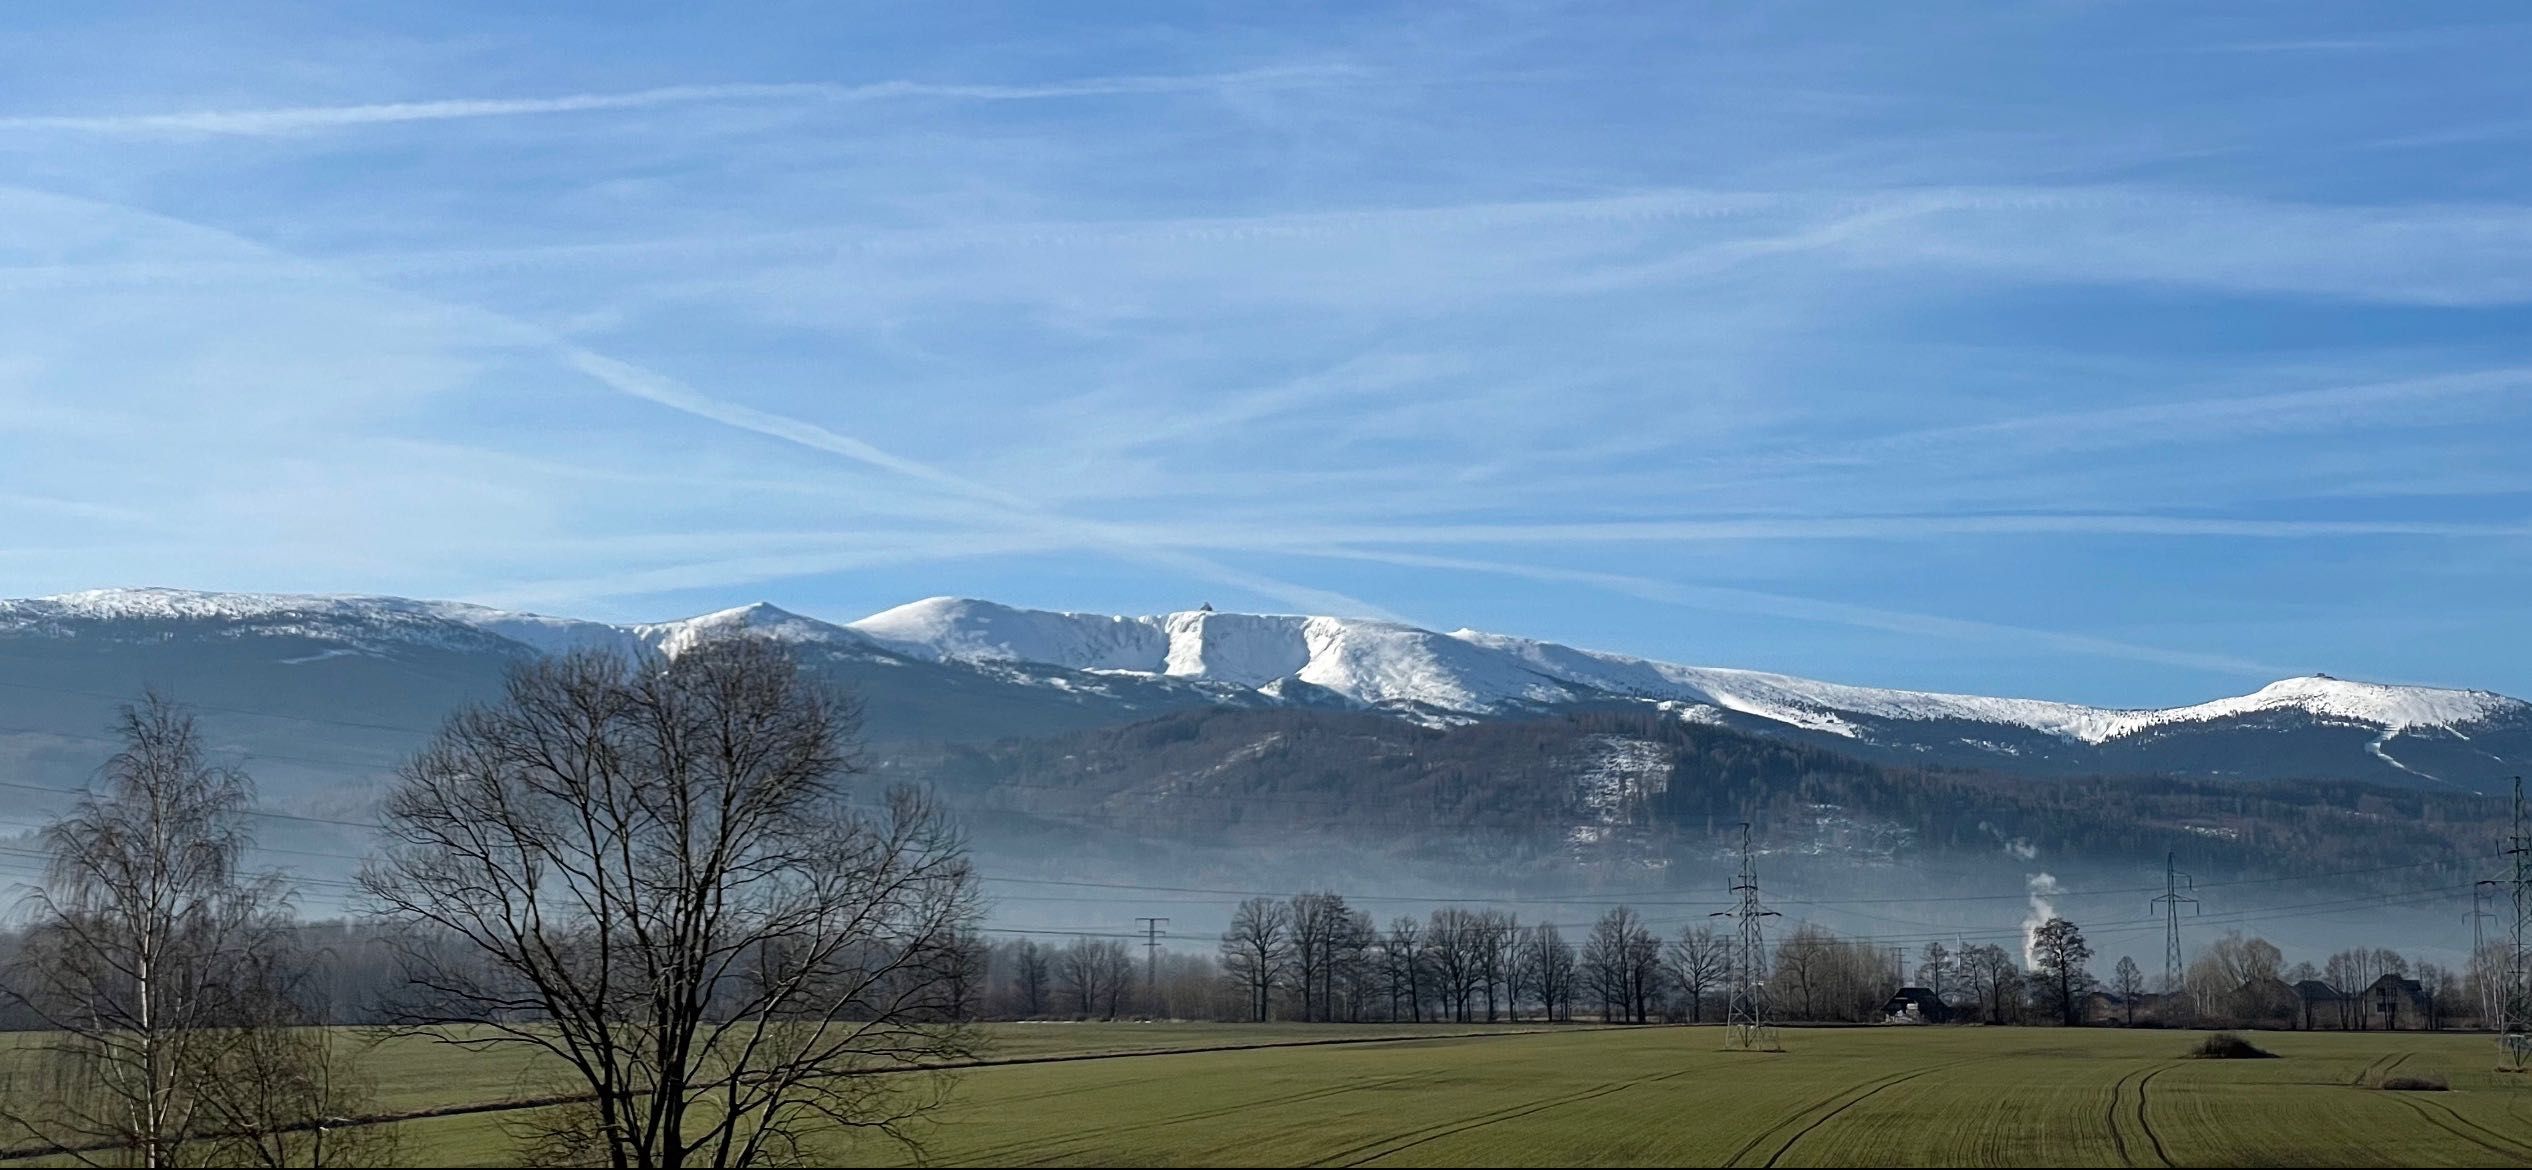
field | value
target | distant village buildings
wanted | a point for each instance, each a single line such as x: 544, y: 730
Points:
x: 2392, y: 1003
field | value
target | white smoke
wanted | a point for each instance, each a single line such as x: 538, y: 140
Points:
x: 2041, y: 887
x: 2016, y: 848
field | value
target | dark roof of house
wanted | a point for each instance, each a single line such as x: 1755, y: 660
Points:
x: 2315, y: 989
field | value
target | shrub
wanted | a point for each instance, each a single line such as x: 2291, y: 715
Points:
x: 2416, y: 1084
x: 2227, y: 1046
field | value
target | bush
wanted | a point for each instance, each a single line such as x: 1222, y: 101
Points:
x: 2227, y: 1046
x: 2416, y: 1084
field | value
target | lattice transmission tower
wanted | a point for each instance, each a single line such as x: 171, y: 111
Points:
x: 2177, y: 888
x: 1749, y: 1024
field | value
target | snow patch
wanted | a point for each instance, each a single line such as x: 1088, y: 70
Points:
x: 1618, y: 773
x: 319, y: 656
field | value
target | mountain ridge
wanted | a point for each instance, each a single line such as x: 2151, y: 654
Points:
x: 1376, y: 664
x: 1546, y: 671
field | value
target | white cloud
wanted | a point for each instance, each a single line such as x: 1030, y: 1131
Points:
x: 307, y: 119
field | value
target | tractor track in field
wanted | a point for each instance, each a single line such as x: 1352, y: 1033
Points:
x: 2143, y: 1123
x: 2381, y: 1066
x: 2118, y: 1136
x: 1836, y: 1103
x: 1075, y: 1090
x: 2444, y: 1117
x: 1371, y: 1151
x: 1034, y: 1146
x: 522, y: 1104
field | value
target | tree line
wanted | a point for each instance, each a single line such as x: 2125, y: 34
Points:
x: 1314, y: 958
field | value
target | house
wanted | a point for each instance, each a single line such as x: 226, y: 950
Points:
x: 1916, y: 1005
x: 2323, y: 1006
x: 2394, y: 1001
x: 2266, y: 1001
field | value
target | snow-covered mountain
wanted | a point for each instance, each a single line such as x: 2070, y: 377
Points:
x: 966, y: 669
x: 1469, y: 673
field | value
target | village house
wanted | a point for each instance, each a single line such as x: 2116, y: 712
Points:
x: 1916, y: 1005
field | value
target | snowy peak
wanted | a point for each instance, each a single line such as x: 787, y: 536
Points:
x: 760, y: 619
x: 2393, y: 708
x: 958, y: 629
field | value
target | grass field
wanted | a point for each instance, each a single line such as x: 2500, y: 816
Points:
x: 1670, y: 1096
x: 1651, y: 1096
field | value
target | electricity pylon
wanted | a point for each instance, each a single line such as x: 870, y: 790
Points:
x: 2168, y: 905
x: 1749, y: 1025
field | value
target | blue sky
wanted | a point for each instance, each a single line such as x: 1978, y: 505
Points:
x: 2116, y: 353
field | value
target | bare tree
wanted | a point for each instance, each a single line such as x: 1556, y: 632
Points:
x: 1994, y: 978
x: 1507, y: 941
x: 2350, y: 972
x: 1321, y: 924
x: 1937, y: 967
x: 1257, y: 949
x: 966, y: 967
x: 1095, y: 973
x: 143, y: 934
x: 1492, y: 935
x: 1402, y: 966
x: 1699, y: 957
x: 1551, y: 963
x: 1452, y: 938
x: 1119, y: 978
x: 2441, y: 991
x: 2128, y: 981
x: 1643, y: 968
x: 1352, y: 973
x: 1029, y: 977
x: 1803, y: 971
x: 650, y: 871
x: 1621, y: 961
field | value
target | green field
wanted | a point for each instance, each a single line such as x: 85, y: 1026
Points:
x: 1670, y: 1096
x: 1647, y: 1096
